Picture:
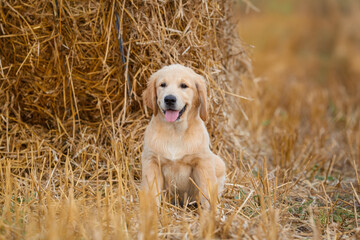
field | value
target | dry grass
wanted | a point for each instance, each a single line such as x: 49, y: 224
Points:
x: 71, y: 132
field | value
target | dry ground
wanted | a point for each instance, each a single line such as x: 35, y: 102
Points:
x: 292, y: 167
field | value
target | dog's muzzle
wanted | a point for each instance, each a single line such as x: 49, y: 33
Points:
x: 171, y: 113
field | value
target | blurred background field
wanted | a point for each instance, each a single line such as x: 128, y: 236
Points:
x: 285, y: 118
x: 305, y: 116
x: 307, y: 67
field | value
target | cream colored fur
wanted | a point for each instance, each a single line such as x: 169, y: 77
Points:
x: 176, y: 151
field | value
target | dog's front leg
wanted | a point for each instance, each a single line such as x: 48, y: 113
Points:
x: 152, y: 179
x: 205, y: 179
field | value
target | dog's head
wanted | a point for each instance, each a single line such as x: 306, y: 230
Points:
x: 176, y: 91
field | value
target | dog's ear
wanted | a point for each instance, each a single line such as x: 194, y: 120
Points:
x: 201, y: 89
x: 149, y: 95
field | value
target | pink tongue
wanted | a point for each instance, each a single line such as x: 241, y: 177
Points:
x: 171, y: 115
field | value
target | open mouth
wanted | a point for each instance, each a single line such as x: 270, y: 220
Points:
x: 173, y: 115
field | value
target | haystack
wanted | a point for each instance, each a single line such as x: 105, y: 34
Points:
x: 71, y: 113
x: 72, y: 74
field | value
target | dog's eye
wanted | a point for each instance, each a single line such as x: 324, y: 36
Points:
x: 183, y: 85
x: 163, y: 85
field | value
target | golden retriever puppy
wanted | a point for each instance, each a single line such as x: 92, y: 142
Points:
x: 176, y: 146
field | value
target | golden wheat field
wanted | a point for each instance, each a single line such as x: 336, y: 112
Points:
x: 284, y: 116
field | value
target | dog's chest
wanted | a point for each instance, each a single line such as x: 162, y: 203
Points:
x: 175, y: 148
x: 175, y: 143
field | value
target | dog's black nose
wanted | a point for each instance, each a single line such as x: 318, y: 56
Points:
x: 170, y: 100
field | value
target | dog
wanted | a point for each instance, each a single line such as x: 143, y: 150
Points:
x: 176, y: 154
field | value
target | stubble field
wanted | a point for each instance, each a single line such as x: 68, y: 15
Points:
x: 289, y: 134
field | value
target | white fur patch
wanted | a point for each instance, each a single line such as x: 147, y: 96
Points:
x: 174, y: 150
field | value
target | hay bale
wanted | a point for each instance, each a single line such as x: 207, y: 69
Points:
x: 70, y: 127
x: 64, y: 75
